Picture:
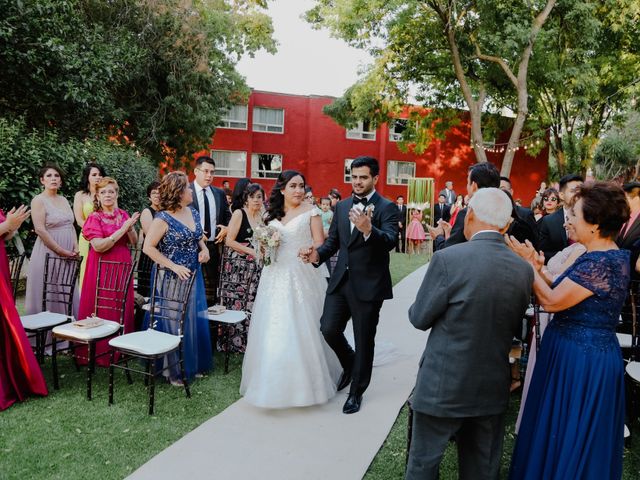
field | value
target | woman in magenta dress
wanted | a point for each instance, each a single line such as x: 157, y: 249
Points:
x: 415, y: 232
x: 108, y: 230
x: 20, y: 374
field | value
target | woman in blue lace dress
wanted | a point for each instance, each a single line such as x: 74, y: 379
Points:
x: 175, y: 240
x: 573, y: 420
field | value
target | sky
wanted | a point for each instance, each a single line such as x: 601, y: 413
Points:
x: 308, y: 62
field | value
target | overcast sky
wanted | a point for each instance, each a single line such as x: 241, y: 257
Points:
x: 307, y: 62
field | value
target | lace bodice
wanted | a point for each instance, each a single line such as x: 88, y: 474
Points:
x: 180, y: 244
x: 592, y: 322
x: 294, y: 235
x: 56, y: 217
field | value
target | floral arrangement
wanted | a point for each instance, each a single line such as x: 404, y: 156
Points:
x: 265, y: 241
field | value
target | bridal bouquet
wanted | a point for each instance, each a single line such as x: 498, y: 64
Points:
x: 265, y: 241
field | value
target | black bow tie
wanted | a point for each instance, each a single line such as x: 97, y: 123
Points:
x: 363, y: 201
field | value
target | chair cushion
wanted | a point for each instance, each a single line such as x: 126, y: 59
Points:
x: 148, y: 342
x: 70, y: 330
x: 633, y: 370
x: 43, y: 320
x: 228, y: 316
x: 624, y: 339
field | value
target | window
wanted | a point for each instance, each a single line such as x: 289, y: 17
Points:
x: 399, y: 173
x: 230, y: 164
x: 266, y: 165
x: 268, y: 120
x: 235, y: 117
x: 362, y: 131
x: 347, y: 170
x: 396, y: 128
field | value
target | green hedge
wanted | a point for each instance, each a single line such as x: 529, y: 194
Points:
x: 23, y: 152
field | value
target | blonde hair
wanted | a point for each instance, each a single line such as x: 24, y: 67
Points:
x: 104, y: 181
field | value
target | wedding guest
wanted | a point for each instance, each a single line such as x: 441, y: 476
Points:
x: 237, y: 199
x: 463, y: 381
x: 326, y: 215
x: 108, y: 230
x: 20, y: 374
x: 573, y: 420
x: 455, y: 208
x: 9, y: 225
x: 415, y: 232
x: 308, y: 196
x: 146, y: 217
x: 175, y: 241
x: 630, y: 232
x: 402, y: 223
x: 83, y: 206
x: 552, y: 234
x: 448, y: 192
x: 243, y: 222
x: 538, y: 211
x: 226, y: 185
x: 228, y: 193
x: 334, y: 195
x: 524, y: 223
x: 53, y: 223
x: 214, y: 215
x: 550, y: 201
x: 441, y: 211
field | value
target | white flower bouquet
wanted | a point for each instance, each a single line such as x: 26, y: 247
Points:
x: 265, y: 241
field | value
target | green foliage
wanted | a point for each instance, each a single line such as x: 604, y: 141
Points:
x: 156, y: 73
x: 24, y: 151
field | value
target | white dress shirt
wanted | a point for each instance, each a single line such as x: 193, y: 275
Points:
x: 361, y: 207
x: 201, y: 192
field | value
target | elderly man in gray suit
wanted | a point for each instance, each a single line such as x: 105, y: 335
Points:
x: 473, y: 299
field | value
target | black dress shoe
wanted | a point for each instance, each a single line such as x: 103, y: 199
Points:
x: 352, y: 405
x: 345, y: 379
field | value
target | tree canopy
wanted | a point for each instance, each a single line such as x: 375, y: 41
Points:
x: 157, y: 74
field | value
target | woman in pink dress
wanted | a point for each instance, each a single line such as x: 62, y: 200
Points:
x: 20, y: 374
x: 415, y: 232
x: 109, y: 230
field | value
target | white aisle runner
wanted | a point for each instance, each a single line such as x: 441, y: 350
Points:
x: 320, y: 442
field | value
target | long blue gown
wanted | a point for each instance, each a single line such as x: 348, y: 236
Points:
x: 180, y: 245
x: 573, y: 421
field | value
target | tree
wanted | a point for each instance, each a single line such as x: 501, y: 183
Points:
x: 155, y: 73
x: 457, y: 53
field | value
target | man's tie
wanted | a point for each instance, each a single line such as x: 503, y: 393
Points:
x: 363, y: 201
x: 207, y: 215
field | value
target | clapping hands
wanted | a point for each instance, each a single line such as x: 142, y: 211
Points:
x: 526, y: 251
x: 16, y: 216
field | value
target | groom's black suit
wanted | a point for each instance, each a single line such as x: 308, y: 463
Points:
x: 358, y: 285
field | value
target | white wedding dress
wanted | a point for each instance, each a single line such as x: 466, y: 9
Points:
x: 287, y: 363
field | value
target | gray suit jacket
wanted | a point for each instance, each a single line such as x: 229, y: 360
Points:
x: 473, y: 298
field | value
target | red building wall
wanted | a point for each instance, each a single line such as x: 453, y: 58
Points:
x: 315, y: 145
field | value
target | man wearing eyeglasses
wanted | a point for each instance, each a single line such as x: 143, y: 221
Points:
x: 553, y: 235
x: 212, y: 205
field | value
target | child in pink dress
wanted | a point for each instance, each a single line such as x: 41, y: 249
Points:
x: 415, y: 232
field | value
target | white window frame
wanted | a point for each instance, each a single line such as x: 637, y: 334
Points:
x: 402, y: 179
x: 393, y: 136
x: 359, y: 133
x: 235, y: 123
x: 255, y: 171
x: 347, y: 165
x: 267, y: 127
x: 225, y: 171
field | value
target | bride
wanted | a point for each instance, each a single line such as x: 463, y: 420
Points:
x: 287, y: 362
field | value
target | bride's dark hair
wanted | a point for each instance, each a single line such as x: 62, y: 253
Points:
x: 276, y: 199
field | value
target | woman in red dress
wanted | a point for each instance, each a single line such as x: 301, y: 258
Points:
x: 20, y: 374
x: 109, y: 230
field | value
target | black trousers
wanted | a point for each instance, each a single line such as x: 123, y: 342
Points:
x: 400, y: 246
x: 479, y: 441
x: 339, y: 306
x: 211, y: 273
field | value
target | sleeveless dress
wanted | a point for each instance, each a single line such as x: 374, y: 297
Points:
x: 59, y: 224
x: 101, y: 225
x: 234, y: 270
x: 144, y: 265
x: 180, y: 245
x: 287, y: 362
x: 415, y: 230
x: 83, y: 244
x: 573, y: 420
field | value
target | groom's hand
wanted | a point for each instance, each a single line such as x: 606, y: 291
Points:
x: 361, y: 221
x: 309, y: 255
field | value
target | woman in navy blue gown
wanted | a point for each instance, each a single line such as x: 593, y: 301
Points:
x: 175, y: 240
x: 573, y: 421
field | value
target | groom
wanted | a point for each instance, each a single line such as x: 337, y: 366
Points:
x: 364, y: 229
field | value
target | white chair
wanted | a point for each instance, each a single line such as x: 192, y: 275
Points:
x: 112, y: 288
x: 168, y: 307
x: 59, y: 284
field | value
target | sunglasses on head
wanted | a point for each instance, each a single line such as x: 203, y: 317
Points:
x: 552, y: 199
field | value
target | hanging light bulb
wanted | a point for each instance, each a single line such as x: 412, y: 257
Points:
x: 569, y: 129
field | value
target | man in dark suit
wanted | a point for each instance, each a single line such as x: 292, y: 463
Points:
x: 364, y: 229
x: 402, y: 223
x: 552, y: 235
x: 473, y: 298
x: 441, y: 211
x: 481, y: 175
x: 523, y: 226
x: 212, y: 205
